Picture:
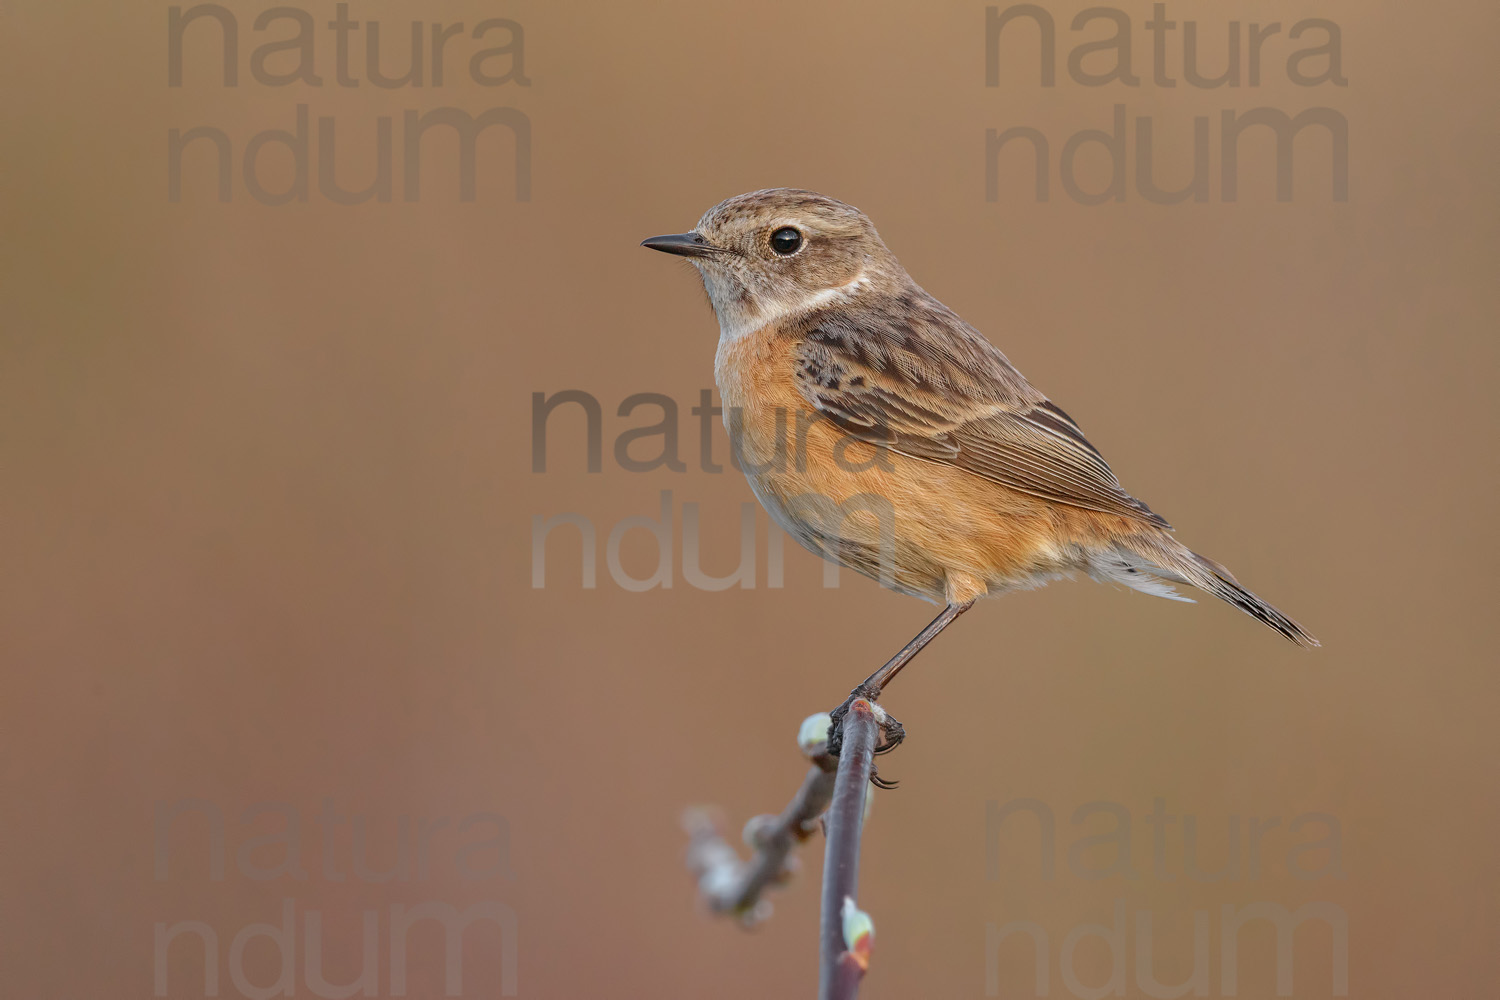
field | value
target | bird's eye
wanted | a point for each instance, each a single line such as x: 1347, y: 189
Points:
x: 786, y: 241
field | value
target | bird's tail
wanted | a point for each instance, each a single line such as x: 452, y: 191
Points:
x: 1151, y: 563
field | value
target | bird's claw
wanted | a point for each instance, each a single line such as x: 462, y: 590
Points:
x: 892, y: 733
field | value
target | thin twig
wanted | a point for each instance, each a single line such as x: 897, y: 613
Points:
x: 846, y: 933
x: 729, y: 884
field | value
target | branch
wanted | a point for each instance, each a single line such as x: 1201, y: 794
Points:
x: 847, y: 932
x: 731, y: 885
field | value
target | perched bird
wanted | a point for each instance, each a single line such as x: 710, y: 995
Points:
x: 882, y: 431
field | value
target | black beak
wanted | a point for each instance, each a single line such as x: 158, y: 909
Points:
x: 682, y: 244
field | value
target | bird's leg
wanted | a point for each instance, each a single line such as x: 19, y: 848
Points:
x: 873, y: 685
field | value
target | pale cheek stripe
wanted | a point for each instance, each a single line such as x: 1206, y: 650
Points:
x: 827, y: 295
x: 734, y: 327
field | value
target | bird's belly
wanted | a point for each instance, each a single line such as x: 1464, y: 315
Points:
x: 919, y: 527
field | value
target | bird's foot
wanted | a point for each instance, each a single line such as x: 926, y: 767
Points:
x: 891, y: 731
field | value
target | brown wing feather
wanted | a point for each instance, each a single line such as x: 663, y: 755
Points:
x: 907, y: 373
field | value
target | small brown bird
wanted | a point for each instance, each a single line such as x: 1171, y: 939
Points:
x: 885, y: 433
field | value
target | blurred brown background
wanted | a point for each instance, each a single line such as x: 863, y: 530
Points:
x: 268, y: 506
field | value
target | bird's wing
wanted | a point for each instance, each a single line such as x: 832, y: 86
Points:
x: 913, y: 377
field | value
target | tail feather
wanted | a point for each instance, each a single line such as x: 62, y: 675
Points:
x: 1144, y: 562
x: 1253, y: 606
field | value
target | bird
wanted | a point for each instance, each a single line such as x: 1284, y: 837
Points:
x: 883, y: 432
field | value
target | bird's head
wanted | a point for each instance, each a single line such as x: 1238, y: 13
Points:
x: 774, y: 253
